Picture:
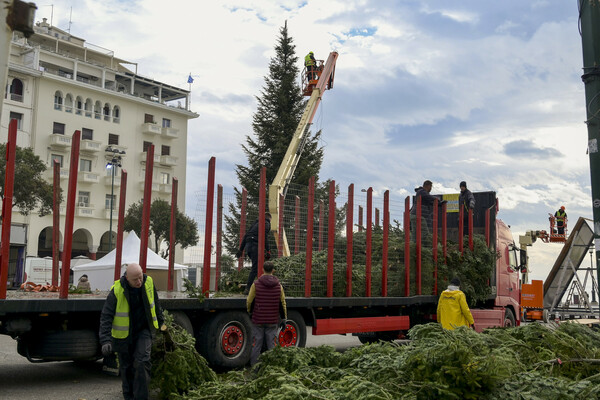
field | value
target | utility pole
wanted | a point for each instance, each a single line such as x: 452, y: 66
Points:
x: 589, y: 17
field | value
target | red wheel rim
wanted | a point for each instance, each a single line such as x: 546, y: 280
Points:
x: 232, y: 340
x: 288, y: 337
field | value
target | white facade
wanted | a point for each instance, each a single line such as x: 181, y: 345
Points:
x: 57, y: 84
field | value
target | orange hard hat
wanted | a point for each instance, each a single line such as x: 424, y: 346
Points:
x: 562, y: 207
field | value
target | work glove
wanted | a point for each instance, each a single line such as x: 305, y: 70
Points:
x: 107, y: 349
x: 238, y: 254
x: 282, y: 324
x: 267, y: 255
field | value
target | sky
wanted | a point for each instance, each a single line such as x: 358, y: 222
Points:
x: 489, y: 92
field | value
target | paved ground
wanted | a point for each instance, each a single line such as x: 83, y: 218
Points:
x: 22, y: 380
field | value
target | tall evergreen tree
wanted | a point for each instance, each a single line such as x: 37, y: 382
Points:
x: 280, y: 107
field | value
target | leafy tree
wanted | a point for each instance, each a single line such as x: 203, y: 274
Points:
x: 31, y: 190
x: 280, y: 107
x: 186, y: 230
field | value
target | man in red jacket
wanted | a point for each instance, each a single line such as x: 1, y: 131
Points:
x: 266, y: 304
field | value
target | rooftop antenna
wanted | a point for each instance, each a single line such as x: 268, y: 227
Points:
x: 70, y: 19
x: 51, y: 14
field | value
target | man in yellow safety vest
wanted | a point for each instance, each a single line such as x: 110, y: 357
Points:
x: 561, y: 217
x: 131, y: 314
x: 311, y: 65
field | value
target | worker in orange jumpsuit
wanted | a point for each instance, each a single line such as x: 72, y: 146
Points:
x: 452, y: 310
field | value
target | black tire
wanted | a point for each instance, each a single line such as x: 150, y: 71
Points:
x: 294, y: 334
x: 60, y: 345
x: 227, y: 339
x: 509, y: 318
x: 180, y: 318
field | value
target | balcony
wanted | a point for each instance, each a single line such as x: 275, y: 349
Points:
x: 170, y: 133
x: 115, y: 213
x: 88, y: 177
x: 168, y: 160
x: 166, y: 189
x: 145, y: 156
x: 155, y: 186
x: 108, y: 180
x: 84, y: 210
x: 90, y: 145
x: 59, y: 140
x: 151, y: 129
x: 64, y: 173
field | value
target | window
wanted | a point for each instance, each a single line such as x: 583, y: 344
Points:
x: 16, y: 90
x: 85, y: 165
x: 97, y: 110
x: 113, y: 139
x: 165, y: 150
x: 164, y: 178
x: 69, y: 103
x: 78, y: 105
x: 18, y: 117
x: 83, y: 199
x: 107, y: 201
x: 149, y: 118
x: 57, y: 157
x: 58, y: 100
x: 166, y: 123
x: 106, y: 112
x: 87, y: 134
x: 116, y: 114
x: 146, y: 146
x: 58, y: 128
x: 88, y: 108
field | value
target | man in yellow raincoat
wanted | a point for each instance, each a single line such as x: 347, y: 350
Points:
x: 452, y: 310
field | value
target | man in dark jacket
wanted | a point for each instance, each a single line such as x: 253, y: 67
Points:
x: 250, y: 246
x: 466, y: 200
x: 426, y: 205
x: 130, y: 315
x: 266, y: 303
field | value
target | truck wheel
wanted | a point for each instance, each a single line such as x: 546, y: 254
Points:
x: 180, y: 318
x: 228, y: 339
x: 509, y: 319
x: 294, y: 334
x: 60, y: 345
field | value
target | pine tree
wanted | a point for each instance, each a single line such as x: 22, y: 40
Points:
x: 280, y: 107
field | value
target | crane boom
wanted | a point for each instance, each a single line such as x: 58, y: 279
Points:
x: 316, y: 88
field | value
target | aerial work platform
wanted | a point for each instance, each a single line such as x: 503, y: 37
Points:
x: 566, y: 265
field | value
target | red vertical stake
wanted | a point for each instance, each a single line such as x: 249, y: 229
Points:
x: 330, y: 238
x: 261, y: 219
x: 418, y: 244
x: 172, y: 238
x: 321, y: 218
x: 386, y: 233
x: 219, y: 234
x: 360, y: 218
x: 210, y: 197
x: 9, y: 180
x: 349, y: 237
x: 471, y: 229
x: 146, y: 207
x: 461, y: 227
x: 297, y: 226
x: 309, y: 236
x: 487, y: 227
x: 69, y: 216
x: 368, y: 244
x: 280, y: 233
x: 444, y: 231
x: 407, y: 246
x: 120, y: 221
x: 55, y: 222
x: 434, y: 239
x: 243, y: 225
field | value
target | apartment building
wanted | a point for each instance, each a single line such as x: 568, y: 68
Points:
x: 57, y: 84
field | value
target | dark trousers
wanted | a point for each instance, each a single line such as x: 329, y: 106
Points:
x: 262, y: 334
x: 135, y: 367
x: 561, y: 228
x: 252, y: 251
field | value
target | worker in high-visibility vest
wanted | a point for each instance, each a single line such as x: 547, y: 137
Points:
x: 561, y: 218
x: 131, y: 314
x: 311, y: 65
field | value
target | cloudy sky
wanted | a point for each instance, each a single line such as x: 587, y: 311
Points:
x: 484, y: 91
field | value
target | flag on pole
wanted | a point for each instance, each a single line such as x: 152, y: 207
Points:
x: 190, y: 79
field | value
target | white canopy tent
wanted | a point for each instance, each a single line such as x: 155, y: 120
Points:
x: 101, y: 272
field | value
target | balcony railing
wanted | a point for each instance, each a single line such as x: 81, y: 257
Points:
x: 85, y: 210
x: 151, y: 129
x: 57, y: 139
x: 16, y: 97
x: 90, y: 145
x: 145, y: 155
x: 166, y: 188
x: 115, y: 213
x: 155, y: 186
x: 108, y: 180
x: 168, y: 160
x: 170, y: 133
x: 88, y: 177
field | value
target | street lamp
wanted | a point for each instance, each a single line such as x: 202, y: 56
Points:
x: 113, y: 163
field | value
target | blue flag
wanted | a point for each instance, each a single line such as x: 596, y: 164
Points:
x: 190, y: 79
